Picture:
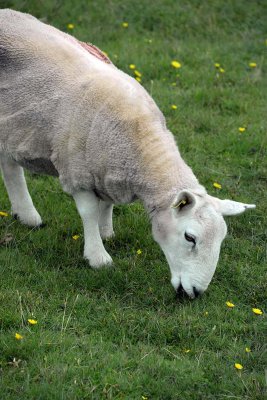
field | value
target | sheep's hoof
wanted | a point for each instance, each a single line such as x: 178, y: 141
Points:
x: 43, y: 225
x: 100, y: 260
x: 31, y: 219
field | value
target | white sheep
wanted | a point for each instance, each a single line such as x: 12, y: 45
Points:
x: 67, y: 111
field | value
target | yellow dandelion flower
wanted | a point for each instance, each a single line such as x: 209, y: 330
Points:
x: 241, y: 129
x: 137, y: 73
x: 217, y: 65
x: 217, y: 185
x: 252, y: 65
x: 139, y: 251
x: 176, y: 64
x: 18, y: 336
x: 75, y: 237
x: 257, y: 311
x: 132, y: 66
x: 125, y: 24
x: 3, y: 214
x: 229, y: 304
x: 70, y: 26
x: 174, y: 107
x: 222, y: 70
x: 32, y: 321
x: 138, y: 79
x: 248, y: 350
x: 238, y: 366
x: 206, y: 313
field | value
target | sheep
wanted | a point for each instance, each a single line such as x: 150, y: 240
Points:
x: 67, y: 111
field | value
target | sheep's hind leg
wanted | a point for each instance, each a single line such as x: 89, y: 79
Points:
x: 16, y: 186
x: 89, y: 209
x: 105, y: 220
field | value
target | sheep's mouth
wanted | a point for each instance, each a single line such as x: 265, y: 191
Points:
x: 181, y: 293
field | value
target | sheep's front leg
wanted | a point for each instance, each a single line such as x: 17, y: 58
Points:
x: 105, y: 220
x: 89, y: 209
x: 16, y: 186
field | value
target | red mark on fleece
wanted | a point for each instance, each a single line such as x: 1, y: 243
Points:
x: 90, y: 48
x: 95, y: 51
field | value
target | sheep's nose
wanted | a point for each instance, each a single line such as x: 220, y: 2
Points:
x: 181, y: 292
x: 196, y: 292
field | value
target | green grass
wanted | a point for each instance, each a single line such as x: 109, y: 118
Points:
x: 120, y: 333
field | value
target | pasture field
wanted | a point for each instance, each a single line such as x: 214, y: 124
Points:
x: 120, y: 333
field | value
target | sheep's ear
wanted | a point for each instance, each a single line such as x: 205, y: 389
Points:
x: 184, y: 201
x: 229, y: 207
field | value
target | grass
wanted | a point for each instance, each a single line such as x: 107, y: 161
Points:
x: 120, y: 333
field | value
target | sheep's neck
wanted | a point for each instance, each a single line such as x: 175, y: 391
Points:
x: 158, y: 191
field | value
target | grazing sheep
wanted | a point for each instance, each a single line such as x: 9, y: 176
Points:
x: 67, y: 111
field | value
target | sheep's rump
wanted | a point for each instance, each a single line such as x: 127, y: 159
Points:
x: 36, y: 93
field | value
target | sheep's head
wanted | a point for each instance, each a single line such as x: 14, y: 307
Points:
x: 190, y: 234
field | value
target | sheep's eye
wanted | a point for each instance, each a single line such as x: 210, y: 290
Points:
x: 190, y: 238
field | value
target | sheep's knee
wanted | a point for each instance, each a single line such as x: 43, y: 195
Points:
x: 106, y: 232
